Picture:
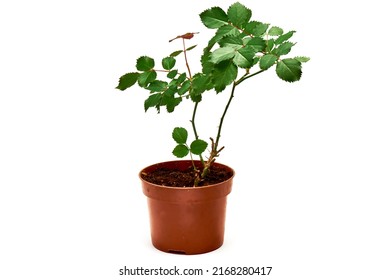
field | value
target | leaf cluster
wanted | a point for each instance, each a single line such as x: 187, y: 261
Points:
x: 180, y: 135
x: 169, y: 92
x: 239, y: 44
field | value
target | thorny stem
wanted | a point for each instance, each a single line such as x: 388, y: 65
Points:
x: 223, y: 116
x: 214, y: 145
x: 235, y: 83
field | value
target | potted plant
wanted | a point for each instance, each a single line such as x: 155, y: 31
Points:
x: 187, y: 198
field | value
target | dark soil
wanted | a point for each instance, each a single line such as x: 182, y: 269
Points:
x: 185, y: 178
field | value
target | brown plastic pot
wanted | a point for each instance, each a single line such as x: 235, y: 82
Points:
x: 186, y: 220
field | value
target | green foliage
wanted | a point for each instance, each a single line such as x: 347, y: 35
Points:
x: 223, y: 75
x: 180, y: 151
x: 283, y: 48
x: 175, y: 53
x: 180, y: 135
x: 222, y: 54
x: 184, y: 87
x: 234, y: 42
x: 239, y: 15
x: 168, y: 63
x: 214, y: 17
x: 145, y: 63
x: 302, y: 59
x: 127, y: 80
x: 289, y: 69
x: 284, y: 37
x: 146, y: 77
x: 268, y: 60
x: 157, y: 86
x: 153, y: 100
x: 275, y: 31
x: 198, y: 147
x: 241, y: 48
x: 258, y: 44
x: 172, y: 74
x: 244, y: 57
x: 191, y: 48
x: 256, y: 28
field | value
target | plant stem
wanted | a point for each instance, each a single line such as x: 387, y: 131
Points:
x: 246, y: 76
x: 215, y: 148
x: 185, y: 57
x: 194, y: 127
x: 197, y: 178
x: 214, y: 145
x: 215, y: 151
x: 193, y: 120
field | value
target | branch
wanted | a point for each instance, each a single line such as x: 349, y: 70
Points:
x: 246, y: 76
x: 185, y: 57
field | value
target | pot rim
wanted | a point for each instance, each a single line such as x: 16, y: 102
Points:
x: 184, y: 188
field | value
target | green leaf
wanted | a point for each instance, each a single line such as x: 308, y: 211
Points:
x: 268, y: 60
x: 258, y: 44
x: 222, y: 32
x: 226, y: 30
x: 289, y: 69
x: 275, y: 31
x: 256, y: 28
x: 182, y: 78
x: 171, y: 102
x: 168, y: 63
x: 191, y: 48
x: 244, y: 57
x: 199, y: 84
x: 176, y: 53
x: 180, y: 135
x: 173, y: 84
x: 172, y: 74
x: 170, y: 91
x: 302, y: 59
x: 223, y: 75
x: 222, y: 54
x: 185, y: 87
x: 207, y: 65
x: 198, y: 146
x: 153, y: 100
x: 180, y: 151
x: 127, y: 80
x: 233, y: 42
x: 239, y: 15
x: 145, y: 63
x: 214, y: 18
x: 157, y: 86
x: 284, y: 48
x: 284, y: 37
x: 147, y: 77
x: 270, y: 45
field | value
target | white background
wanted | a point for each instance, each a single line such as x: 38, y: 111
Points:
x: 312, y: 158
